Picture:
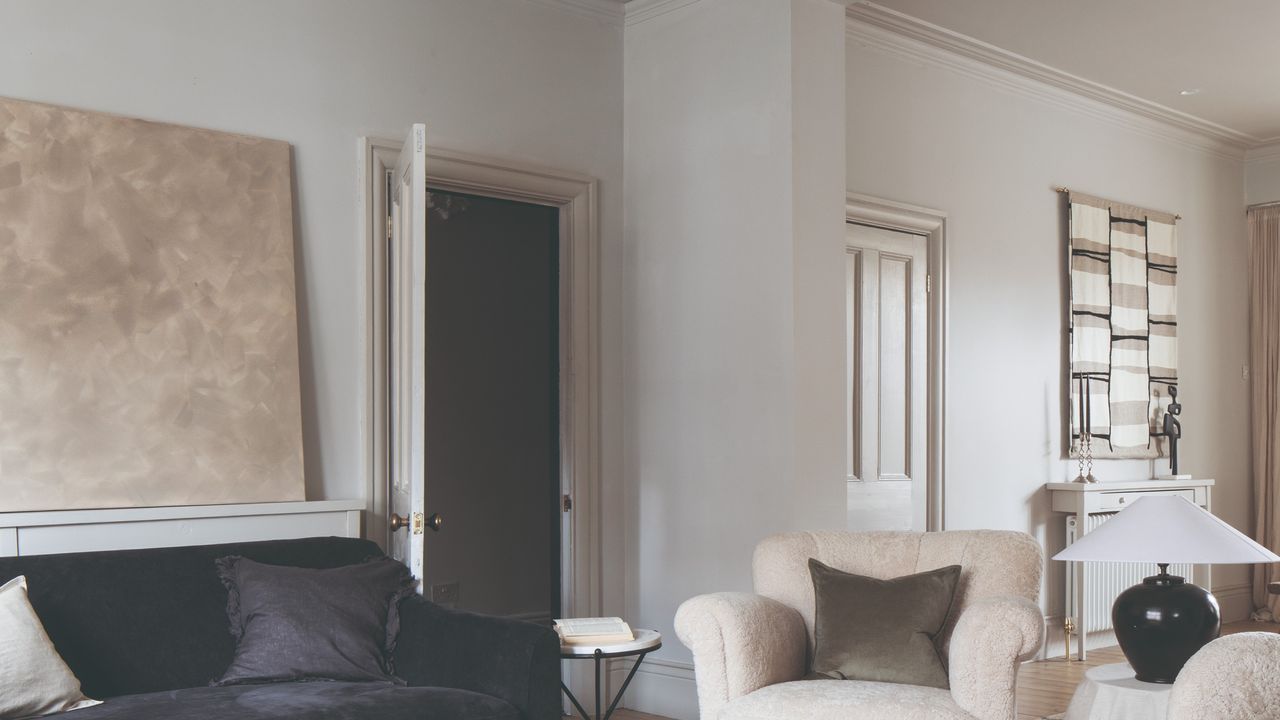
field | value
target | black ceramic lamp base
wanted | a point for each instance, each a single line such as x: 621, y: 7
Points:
x: 1162, y: 622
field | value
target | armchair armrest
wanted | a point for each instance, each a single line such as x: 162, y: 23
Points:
x: 991, y: 638
x: 741, y: 642
x: 509, y: 659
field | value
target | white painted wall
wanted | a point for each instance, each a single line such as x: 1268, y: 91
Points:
x: 734, y: 302
x: 990, y: 158
x: 510, y: 78
x: 1262, y: 175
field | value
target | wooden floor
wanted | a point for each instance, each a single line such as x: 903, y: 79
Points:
x: 1044, y: 687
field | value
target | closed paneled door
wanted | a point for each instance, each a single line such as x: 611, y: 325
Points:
x: 887, y: 391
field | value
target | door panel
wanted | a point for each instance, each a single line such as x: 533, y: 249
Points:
x: 895, y: 366
x: 853, y: 362
x: 887, y: 392
x: 406, y: 259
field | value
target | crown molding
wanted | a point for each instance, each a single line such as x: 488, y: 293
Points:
x: 606, y: 11
x: 1263, y: 153
x: 916, y: 39
x: 639, y: 11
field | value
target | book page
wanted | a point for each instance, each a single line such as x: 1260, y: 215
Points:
x: 580, y: 627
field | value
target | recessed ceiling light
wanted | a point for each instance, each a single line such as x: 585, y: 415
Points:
x: 1190, y: 91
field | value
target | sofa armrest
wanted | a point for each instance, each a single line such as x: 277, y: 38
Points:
x: 510, y: 659
x: 741, y: 642
x: 991, y: 638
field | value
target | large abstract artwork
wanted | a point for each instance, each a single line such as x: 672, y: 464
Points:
x: 1124, y: 329
x: 148, y: 332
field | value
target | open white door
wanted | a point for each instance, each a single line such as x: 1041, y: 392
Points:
x: 888, y: 391
x: 406, y: 331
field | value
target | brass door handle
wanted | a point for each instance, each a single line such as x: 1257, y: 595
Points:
x: 397, y: 522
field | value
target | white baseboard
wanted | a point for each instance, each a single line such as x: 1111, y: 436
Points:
x: 660, y: 687
x: 1055, y: 646
x: 1235, y: 602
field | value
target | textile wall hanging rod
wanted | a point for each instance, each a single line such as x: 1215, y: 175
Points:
x: 1065, y: 189
x: 1262, y: 205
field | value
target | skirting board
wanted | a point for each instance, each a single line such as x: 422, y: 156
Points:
x: 1235, y: 601
x: 660, y: 687
x: 1054, y: 646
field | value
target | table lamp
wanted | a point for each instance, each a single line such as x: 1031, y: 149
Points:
x: 1161, y: 622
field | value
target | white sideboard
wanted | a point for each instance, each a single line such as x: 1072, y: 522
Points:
x: 49, y: 532
x: 1101, y: 500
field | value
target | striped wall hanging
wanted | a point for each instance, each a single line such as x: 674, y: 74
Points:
x: 1123, y: 326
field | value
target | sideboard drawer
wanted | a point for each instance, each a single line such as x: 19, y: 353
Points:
x: 1110, y: 502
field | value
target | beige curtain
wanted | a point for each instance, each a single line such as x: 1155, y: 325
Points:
x: 1264, y: 362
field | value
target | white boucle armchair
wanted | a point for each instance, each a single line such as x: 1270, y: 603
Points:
x: 751, y: 650
x: 1236, y: 677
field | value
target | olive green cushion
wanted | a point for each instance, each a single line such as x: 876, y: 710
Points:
x: 881, y: 630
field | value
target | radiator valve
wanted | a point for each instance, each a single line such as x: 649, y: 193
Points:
x: 1068, y: 629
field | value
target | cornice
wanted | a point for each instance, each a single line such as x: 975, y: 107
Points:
x: 1263, y: 153
x: 639, y: 11
x: 901, y: 34
x: 607, y: 11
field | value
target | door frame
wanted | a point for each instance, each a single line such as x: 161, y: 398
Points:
x: 903, y: 217
x: 576, y: 197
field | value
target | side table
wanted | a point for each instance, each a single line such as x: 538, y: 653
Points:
x: 1111, y: 692
x: 646, y: 642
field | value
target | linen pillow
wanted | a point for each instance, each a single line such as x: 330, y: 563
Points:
x: 882, y: 630
x: 34, y: 680
x: 304, y: 624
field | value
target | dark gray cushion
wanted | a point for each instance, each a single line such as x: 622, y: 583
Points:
x: 300, y: 623
x: 882, y: 630
x: 304, y: 701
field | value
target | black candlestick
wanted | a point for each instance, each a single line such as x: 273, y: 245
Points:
x: 1173, y: 428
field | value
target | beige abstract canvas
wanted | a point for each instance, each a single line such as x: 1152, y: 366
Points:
x: 148, y: 332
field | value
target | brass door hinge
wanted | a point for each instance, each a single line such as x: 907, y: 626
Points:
x: 566, y: 503
x: 388, y: 226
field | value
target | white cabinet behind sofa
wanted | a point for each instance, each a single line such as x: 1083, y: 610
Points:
x: 49, y: 532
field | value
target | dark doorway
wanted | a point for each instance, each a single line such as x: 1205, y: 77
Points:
x: 493, y: 405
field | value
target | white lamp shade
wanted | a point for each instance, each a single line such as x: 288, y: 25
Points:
x: 1166, y: 529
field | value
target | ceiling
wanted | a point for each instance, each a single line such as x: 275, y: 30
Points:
x: 1225, y: 49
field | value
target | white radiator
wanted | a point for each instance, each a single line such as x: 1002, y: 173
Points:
x: 1104, y: 581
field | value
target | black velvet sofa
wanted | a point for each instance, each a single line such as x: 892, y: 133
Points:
x: 146, y: 630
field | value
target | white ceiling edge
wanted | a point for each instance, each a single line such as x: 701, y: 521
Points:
x: 888, y: 29
x: 607, y: 11
x: 639, y: 11
x: 866, y: 18
x: 1263, y: 153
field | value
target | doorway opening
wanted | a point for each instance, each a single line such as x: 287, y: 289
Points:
x: 565, y: 205
x: 886, y: 287
x: 896, y: 284
x: 492, y: 397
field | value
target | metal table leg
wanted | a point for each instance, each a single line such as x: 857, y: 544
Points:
x: 617, y: 698
x: 623, y: 690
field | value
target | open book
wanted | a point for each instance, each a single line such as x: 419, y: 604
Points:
x: 593, y: 631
